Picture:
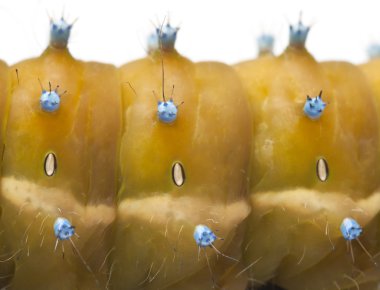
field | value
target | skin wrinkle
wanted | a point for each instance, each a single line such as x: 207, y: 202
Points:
x: 19, y: 192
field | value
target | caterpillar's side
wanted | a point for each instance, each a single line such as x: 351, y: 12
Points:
x: 170, y: 174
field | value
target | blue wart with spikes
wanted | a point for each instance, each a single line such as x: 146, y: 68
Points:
x: 63, y: 229
x: 204, y: 236
x: 350, y: 229
x: 314, y: 107
x: 163, y: 38
x: 59, y: 33
x: 265, y: 43
x: 298, y: 34
x: 167, y: 111
x: 50, y: 101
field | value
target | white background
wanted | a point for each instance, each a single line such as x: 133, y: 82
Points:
x: 114, y: 31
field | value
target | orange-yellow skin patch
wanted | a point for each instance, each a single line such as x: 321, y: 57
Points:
x: 371, y: 71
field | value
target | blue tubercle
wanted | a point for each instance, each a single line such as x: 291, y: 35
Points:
x: 314, y: 107
x: 49, y: 101
x: 59, y: 33
x: 167, y: 111
x: 164, y: 38
x: 373, y: 50
x: 63, y: 229
x: 298, y: 34
x: 204, y: 236
x: 350, y: 229
x: 265, y: 43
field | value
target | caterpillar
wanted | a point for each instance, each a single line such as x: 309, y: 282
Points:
x: 250, y: 183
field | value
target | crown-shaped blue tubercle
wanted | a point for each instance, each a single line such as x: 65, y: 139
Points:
x: 373, y: 50
x: 298, y: 34
x: 163, y: 37
x: 59, y: 33
x: 265, y: 43
x: 314, y: 107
